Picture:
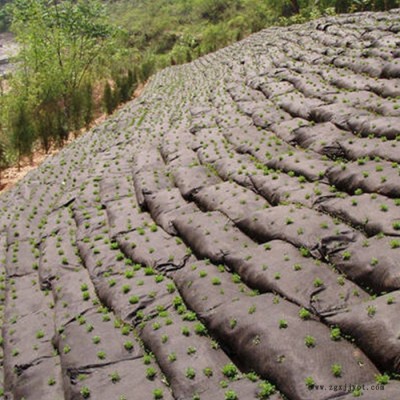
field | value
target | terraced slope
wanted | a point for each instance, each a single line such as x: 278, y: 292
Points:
x: 242, y: 217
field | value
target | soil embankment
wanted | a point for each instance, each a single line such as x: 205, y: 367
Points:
x: 233, y: 233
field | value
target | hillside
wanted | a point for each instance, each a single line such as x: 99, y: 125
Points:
x: 232, y: 234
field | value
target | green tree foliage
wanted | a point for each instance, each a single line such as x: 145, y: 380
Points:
x: 22, y: 136
x: 108, y: 98
x: 64, y: 45
x: 4, y: 15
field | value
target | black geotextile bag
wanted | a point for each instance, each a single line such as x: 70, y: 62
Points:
x: 298, y: 105
x: 117, y: 381
x: 281, y: 268
x: 165, y: 205
x: 190, y: 180
x: 273, y: 88
x: 22, y: 258
x: 116, y: 187
x: 339, y: 114
x: 279, y: 188
x: 372, y: 263
x: 306, y: 163
x: 190, y: 360
x: 387, y: 108
x: 148, y: 155
x: 322, y: 138
x: 371, y: 147
x: 150, y: 179
x: 372, y: 213
x: 385, y: 87
x: 58, y: 220
x: 240, y: 92
x: 27, y: 355
x: 231, y: 199
x: 369, y: 66
x: 57, y: 252
x: 373, y: 391
x: 89, y: 221
x: 173, y: 141
x: 205, y: 137
x: 125, y: 215
x: 269, y: 114
x: 391, y: 70
x: 386, y: 127
x: 370, y: 320
x: 153, y: 247
x: 249, y: 107
x: 79, y: 341
x: 238, y: 168
x: 357, y: 98
x: 348, y: 80
x: 32, y: 383
x: 97, y: 257
x: 128, y: 288
x: 205, y: 287
x: 311, y: 84
x: 299, y: 226
x: 257, y: 142
x: 212, y: 152
x: 370, y: 176
x: 203, y: 122
x: 266, y: 334
x: 182, y: 158
x: 284, y: 130
x: 246, y: 135
x: 264, y: 151
x: 69, y: 296
x: 211, y: 235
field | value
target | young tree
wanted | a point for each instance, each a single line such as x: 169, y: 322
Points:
x: 22, y: 137
x: 63, y: 44
x: 108, y: 98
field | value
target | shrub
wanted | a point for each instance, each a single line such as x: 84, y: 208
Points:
x: 39, y: 334
x: 158, y: 394
x: 171, y: 357
x: 185, y: 331
x: 128, y: 345
x: 336, y: 370
x: 85, y: 392
x: 200, y: 329
x: 216, y: 281
x: 283, y: 324
x: 230, y: 371
x: 335, y: 334
x: 309, y: 381
x: 309, y: 341
x: 231, y: 395
x: 304, y: 314
x: 190, y: 373
x: 151, y: 373
x: 51, y: 381
x: 96, y: 339
x: 266, y: 390
x: 115, y: 377
x: 382, y: 379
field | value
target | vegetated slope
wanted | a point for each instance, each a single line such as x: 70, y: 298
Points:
x: 242, y: 217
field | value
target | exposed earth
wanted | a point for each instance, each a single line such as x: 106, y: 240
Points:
x: 8, y: 48
x: 235, y: 229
